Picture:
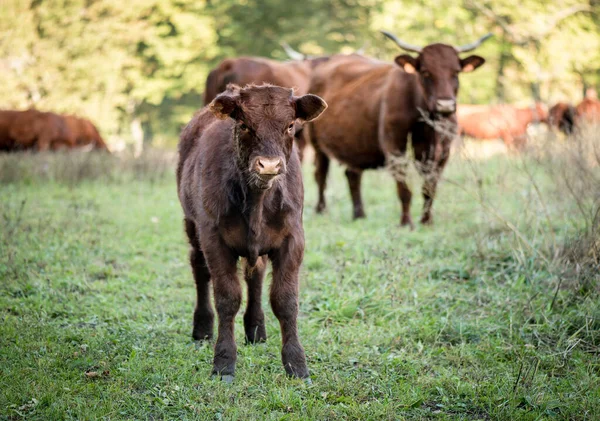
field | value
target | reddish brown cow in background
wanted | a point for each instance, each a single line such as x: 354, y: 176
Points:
x: 42, y: 131
x: 84, y: 133
x: 240, y: 185
x: 561, y: 116
x: 375, y: 105
x: 504, y: 122
x: 35, y: 129
x: 588, y: 110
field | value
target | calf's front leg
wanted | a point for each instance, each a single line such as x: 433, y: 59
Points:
x: 222, y: 264
x: 284, y: 301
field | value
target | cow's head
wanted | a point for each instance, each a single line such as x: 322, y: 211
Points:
x: 265, y: 118
x: 437, y: 67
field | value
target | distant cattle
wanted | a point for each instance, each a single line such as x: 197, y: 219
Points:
x: 588, y: 111
x: 561, y: 116
x: 42, y: 131
x: 374, y: 106
x: 240, y: 185
x: 505, y: 122
x: 84, y: 133
x: 255, y: 70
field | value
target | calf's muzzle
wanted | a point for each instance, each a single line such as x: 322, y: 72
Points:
x: 268, y: 167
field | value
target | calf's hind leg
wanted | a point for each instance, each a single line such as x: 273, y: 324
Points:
x: 284, y: 301
x: 254, y: 318
x: 203, y: 314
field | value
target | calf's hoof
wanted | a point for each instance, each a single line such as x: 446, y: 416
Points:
x: 256, y: 334
x: 320, y: 207
x: 203, y: 327
x: 227, y: 378
x: 294, y: 361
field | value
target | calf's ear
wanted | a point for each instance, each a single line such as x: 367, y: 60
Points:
x: 309, y: 107
x: 224, y: 105
x: 470, y: 63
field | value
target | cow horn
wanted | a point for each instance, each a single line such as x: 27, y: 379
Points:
x: 402, y: 44
x: 293, y: 54
x: 473, y: 45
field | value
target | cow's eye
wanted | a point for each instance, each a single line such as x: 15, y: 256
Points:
x: 291, y: 127
x: 243, y: 127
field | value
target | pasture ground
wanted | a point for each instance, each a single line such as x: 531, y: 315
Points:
x: 477, y: 317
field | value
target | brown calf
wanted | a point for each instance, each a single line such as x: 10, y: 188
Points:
x: 240, y: 186
x: 373, y: 108
x: 246, y: 70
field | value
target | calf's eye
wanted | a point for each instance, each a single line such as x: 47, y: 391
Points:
x: 291, y: 127
x: 243, y: 127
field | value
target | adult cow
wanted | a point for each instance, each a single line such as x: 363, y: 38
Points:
x: 243, y: 71
x: 33, y: 129
x: 373, y: 108
x: 588, y: 110
x: 505, y: 122
x: 84, y: 133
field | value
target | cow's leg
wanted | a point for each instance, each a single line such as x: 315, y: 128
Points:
x: 222, y: 264
x: 397, y: 165
x: 203, y: 314
x: 393, y: 135
x: 254, y: 318
x: 354, y: 177
x: 321, y: 169
x: 284, y: 301
x: 431, y: 160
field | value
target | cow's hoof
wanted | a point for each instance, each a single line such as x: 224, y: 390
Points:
x: 427, y: 220
x: 308, y: 381
x: 407, y: 222
x: 227, y: 378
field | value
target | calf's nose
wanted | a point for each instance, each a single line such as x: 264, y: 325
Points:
x: 267, y: 166
x: 445, y: 106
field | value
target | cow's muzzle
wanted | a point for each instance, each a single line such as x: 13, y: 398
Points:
x: 445, y: 106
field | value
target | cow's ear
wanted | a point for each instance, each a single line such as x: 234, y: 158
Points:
x: 470, y: 63
x: 408, y: 63
x: 225, y: 104
x: 309, y: 107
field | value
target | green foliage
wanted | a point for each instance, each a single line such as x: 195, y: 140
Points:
x: 148, y: 60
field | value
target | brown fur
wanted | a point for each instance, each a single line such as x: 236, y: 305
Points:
x: 588, y: 111
x: 84, y: 133
x: 246, y: 70
x: 374, y: 107
x: 42, y: 131
x: 233, y: 211
x: 505, y: 122
x: 561, y: 116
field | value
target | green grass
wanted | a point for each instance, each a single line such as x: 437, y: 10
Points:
x: 454, y: 321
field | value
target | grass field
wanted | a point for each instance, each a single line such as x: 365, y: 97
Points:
x: 477, y: 317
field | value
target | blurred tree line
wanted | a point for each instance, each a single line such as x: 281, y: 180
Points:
x: 137, y: 68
